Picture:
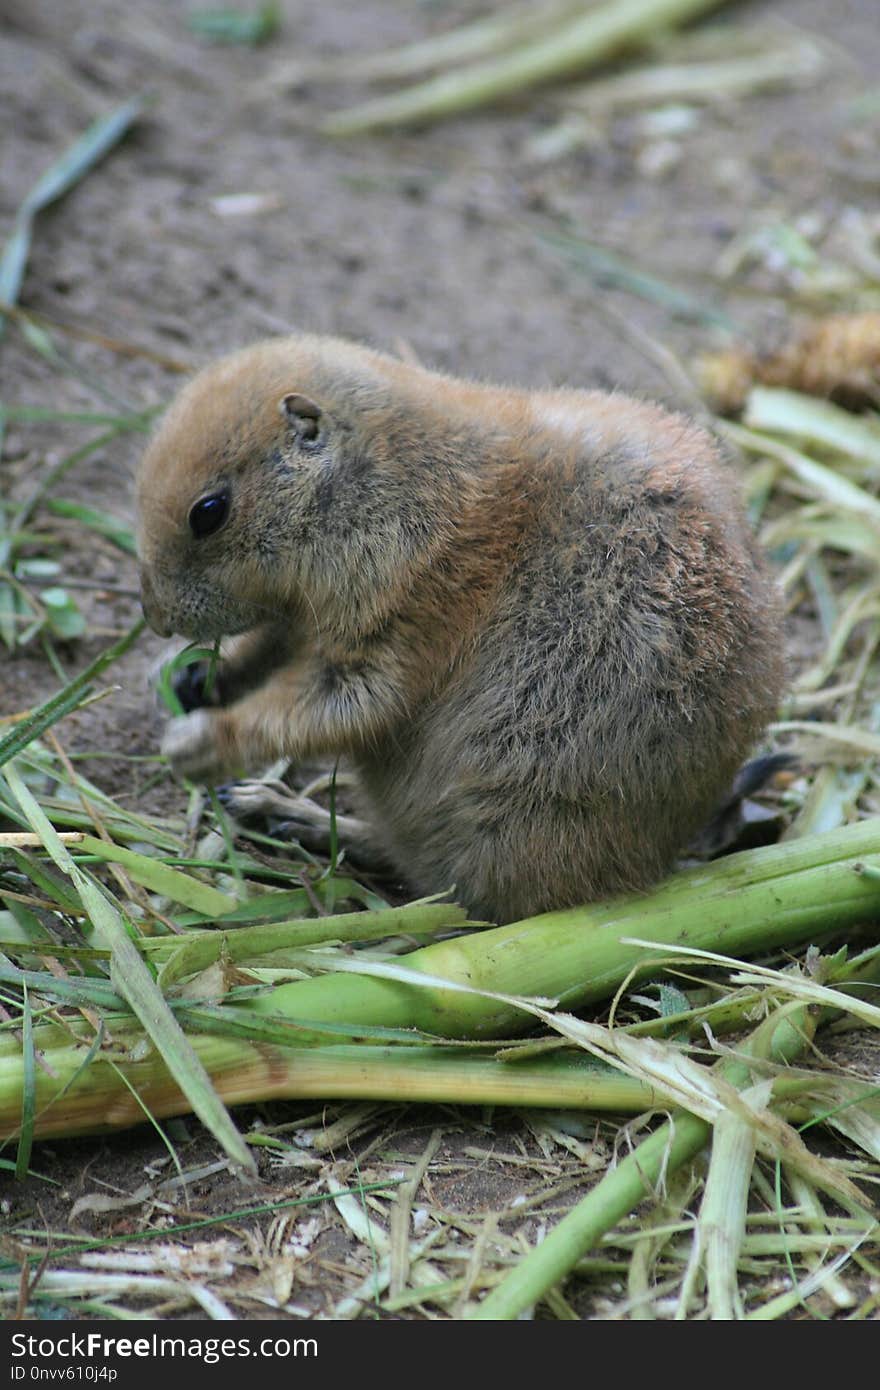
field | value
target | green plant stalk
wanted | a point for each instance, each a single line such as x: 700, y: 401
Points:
x: 579, y: 956
x: 28, y: 1090
x: 752, y: 901
x: 722, y: 1224
x: 808, y: 1199
x: 621, y: 1189
x: 97, y: 1099
x: 656, y: 1229
x: 493, y: 34
x: 570, y: 49
x: 702, y: 81
x: 197, y: 950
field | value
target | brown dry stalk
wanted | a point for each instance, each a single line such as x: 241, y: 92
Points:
x: 837, y: 357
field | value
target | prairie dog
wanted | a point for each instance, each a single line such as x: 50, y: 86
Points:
x: 534, y: 622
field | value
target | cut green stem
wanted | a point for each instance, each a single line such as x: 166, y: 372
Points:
x: 636, y: 1177
x: 570, y: 49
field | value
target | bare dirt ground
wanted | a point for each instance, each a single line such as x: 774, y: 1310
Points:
x: 432, y: 242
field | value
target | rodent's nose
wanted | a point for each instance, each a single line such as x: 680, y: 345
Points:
x: 151, y: 610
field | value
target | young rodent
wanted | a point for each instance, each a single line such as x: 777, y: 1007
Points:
x: 534, y: 622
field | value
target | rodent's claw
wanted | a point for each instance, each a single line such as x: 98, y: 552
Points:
x: 190, y: 746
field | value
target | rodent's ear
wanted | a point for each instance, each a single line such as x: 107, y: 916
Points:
x: 301, y: 414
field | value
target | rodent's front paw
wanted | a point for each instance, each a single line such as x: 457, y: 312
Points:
x: 192, y: 747
x: 189, y: 684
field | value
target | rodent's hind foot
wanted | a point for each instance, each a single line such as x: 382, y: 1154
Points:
x: 297, y: 818
x: 251, y: 797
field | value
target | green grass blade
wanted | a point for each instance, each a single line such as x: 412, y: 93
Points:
x: 132, y: 978
x: 91, y: 147
x: 246, y: 943
x: 83, y: 155
x: 58, y: 893
x: 37, y: 414
x: 237, y: 26
x: 610, y: 271
x: 28, y: 1091
x: 102, y: 522
x: 13, y: 262
x: 82, y: 992
x: 284, y: 903
x: 159, y: 878
x: 52, y: 475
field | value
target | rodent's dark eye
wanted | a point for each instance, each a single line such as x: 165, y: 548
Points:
x: 209, y: 513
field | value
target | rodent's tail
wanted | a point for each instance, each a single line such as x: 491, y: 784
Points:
x: 738, y: 823
x: 755, y: 774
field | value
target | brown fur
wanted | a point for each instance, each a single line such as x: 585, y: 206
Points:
x: 535, y: 621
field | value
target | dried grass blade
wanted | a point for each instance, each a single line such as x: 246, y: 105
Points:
x: 621, y: 1188
x: 814, y: 1213
x: 569, y: 49
x: 493, y: 34
x: 705, y: 81
x: 853, y: 1108
x: 860, y: 742
x: 796, y: 986
x: 806, y: 417
x: 837, y: 533
x: 819, y: 479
